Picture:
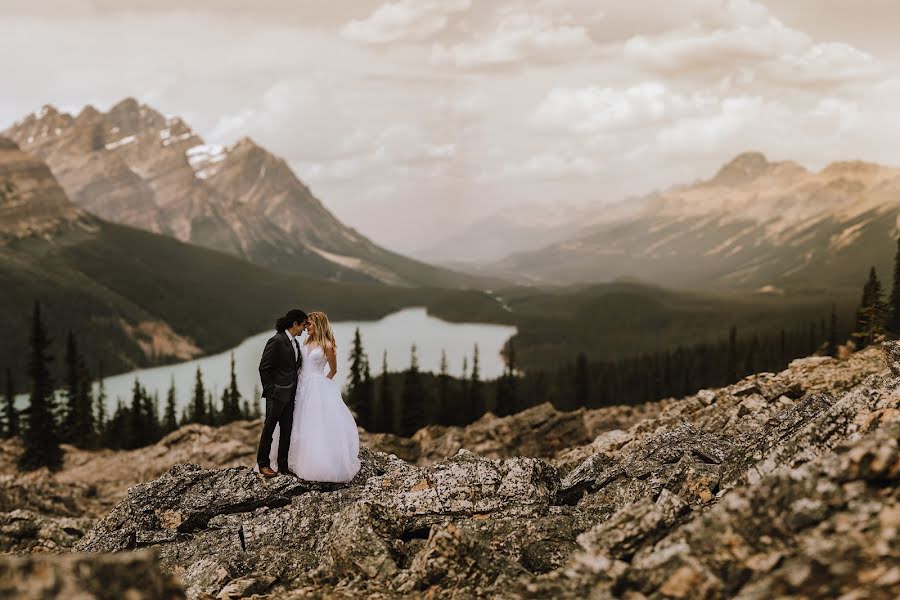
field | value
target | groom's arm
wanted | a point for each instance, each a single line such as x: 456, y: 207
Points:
x: 267, y: 369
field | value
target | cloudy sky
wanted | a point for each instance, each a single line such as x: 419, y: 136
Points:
x: 411, y: 118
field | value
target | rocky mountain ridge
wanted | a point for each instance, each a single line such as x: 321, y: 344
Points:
x: 31, y: 201
x: 134, y: 166
x: 781, y: 484
x: 754, y: 225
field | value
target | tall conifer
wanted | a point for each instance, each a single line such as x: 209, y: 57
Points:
x: 10, y: 412
x: 40, y: 438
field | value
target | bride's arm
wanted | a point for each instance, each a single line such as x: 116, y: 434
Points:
x: 332, y: 361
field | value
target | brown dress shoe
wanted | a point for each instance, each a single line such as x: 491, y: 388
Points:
x: 267, y: 472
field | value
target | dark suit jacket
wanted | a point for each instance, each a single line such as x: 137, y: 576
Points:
x: 278, y: 369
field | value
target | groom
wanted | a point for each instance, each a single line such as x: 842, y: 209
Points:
x: 278, y: 370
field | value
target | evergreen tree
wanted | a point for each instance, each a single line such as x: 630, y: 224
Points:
x: 476, y: 399
x: 390, y: 421
x: 136, y: 428
x: 357, y: 396
x: 115, y: 433
x: 255, y: 410
x: 872, y: 313
x: 78, y: 426
x: 368, y: 392
x: 170, y: 418
x: 412, y: 398
x: 212, y: 414
x: 231, y: 401
x: 506, y: 386
x: 67, y: 431
x: 40, y: 438
x: 151, y: 417
x: 444, y: 408
x: 832, y: 346
x: 101, y: 404
x: 198, y: 406
x: 9, y: 407
x: 582, y: 380
x: 465, y: 411
x: 85, y: 434
x: 894, y: 325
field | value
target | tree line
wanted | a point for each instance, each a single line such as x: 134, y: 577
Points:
x: 76, y: 413
x: 401, y: 402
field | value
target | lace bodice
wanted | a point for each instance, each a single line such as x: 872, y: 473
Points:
x: 314, y: 361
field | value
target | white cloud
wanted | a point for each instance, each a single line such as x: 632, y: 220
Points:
x: 824, y: 63
x: 518, y: 36
x: 404, y: 20
x: 598, y: 109
x: 699, y: 48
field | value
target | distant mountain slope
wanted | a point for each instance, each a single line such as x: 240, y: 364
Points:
x: 136, y: 167
x: 755, y: 225
x: 137, y: 298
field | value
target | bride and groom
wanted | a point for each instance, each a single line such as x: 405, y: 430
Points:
x: 308, y: 430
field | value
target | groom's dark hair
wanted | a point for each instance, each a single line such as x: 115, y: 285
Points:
x: 295, y: 315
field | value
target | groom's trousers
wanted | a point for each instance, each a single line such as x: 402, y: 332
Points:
x: 278, y: 412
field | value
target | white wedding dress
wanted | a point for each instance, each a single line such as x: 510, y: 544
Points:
x: 324, y: 438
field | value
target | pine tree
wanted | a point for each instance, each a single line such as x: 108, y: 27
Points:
x: 357, y: 396
x: 101, y: 404
x: 85, y: 434
x: 476, y: 400
x: 894, y: 325
x: 506, y: 386
x: 170, y: 418
x: 390, y: 421
x: 444, y: 408
x: 40, y: 438
x: 212, y: 415
x: 231, y: 401
x: 412, y: 398
x: 151, y: 417
x: 582, y: 380
x: 832, y: 346
x: 368, y: 392
x: 255, y: 409
x: 116, y: 433
x: 9, y: 407
x: 136, y: 431
x: 872, y: 313
x: 463, y: 414
x: 67, y: 430
x: 198, y: 412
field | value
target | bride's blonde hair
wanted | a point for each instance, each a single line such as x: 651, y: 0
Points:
x: 322, y: 333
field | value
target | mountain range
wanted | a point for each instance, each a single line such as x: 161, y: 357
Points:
x: 755, y: 225
x: 136, y: 298
x: 136, y: 167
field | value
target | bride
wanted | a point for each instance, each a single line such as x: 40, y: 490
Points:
x: 324, y: 442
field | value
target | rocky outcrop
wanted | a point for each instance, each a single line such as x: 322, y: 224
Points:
x: 90, y: 576
x: 777, y: 485
x: 803, y: 502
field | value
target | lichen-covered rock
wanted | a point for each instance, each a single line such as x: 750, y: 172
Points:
x: 783, y: 484
x: 825, y: 529
x: 891, y: 351
x: 25, y: 531
x: 89, y: 576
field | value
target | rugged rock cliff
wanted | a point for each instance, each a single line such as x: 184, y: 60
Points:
x: 782, y: 484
